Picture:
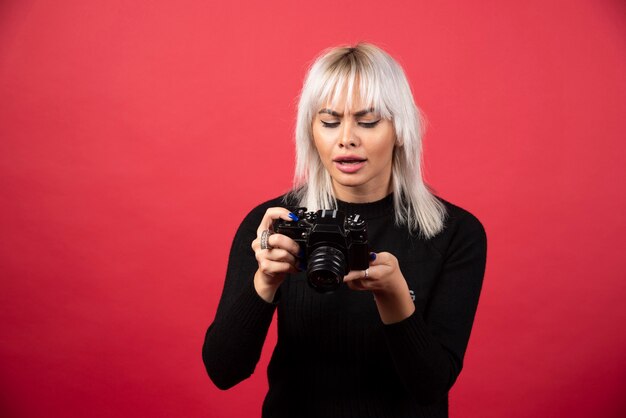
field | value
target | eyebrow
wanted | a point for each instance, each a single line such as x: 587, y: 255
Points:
x: 356, y: 114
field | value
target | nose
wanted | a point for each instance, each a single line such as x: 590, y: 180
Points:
x: 348, y: 138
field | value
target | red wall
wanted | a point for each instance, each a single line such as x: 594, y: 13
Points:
x: 126, y: 126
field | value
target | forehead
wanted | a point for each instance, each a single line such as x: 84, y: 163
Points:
x: 348, y: 92
x: 343, y: 103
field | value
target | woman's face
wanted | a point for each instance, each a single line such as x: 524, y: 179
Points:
x: 356, y: 147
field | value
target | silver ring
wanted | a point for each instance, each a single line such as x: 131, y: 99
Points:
x: 367, y: 274
x: 265, y: 236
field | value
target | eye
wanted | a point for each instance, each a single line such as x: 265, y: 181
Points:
x: 369, y: 124
x: 329, y: 124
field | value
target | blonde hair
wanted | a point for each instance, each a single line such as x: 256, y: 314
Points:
x: 381, y: 84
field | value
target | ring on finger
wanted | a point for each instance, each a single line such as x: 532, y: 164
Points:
x: 366, y: 274
x: 265, y: 236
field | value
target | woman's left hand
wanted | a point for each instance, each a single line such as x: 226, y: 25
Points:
x: 385, y: 280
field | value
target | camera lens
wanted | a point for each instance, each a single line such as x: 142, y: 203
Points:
x: 327, y: 266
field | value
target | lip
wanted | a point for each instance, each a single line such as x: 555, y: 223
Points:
x: 348, y: 157
x: 350, y: 168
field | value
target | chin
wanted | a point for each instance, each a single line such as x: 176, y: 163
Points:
x: 351, y: 182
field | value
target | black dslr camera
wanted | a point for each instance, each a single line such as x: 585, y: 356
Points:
x: 333, y: 244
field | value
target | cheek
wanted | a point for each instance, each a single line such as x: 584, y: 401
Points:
x: 384, y: 152
x: 388, y: 144
x: 322, y: 144
x: 320, y: 150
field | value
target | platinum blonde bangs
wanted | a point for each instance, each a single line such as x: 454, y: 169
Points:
x: 369, y: 77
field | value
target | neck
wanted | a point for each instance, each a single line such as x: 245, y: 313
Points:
x: 360, y: 194
x: 370, y: 210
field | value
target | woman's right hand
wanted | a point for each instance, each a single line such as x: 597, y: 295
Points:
x: 276, y: 261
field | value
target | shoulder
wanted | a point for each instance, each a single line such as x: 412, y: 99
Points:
x: 460, y: 226
x: 456, y: 216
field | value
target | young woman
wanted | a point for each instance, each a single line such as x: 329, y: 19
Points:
x: 390, y: 341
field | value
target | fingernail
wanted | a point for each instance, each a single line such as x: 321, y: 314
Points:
x: 372, y: 256
x: 293, y: 217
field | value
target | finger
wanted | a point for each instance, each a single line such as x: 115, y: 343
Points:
x: 383, y: 264
x: 272, y: 268
x: 373, y: 273
x: 356, y: 275
x: 270, y: 216
x: 284, y: 242
x: 376, y: 259
x: 379, y: 258
x: 278, y: 241
x: 276, y: 254
x: 356, y: 285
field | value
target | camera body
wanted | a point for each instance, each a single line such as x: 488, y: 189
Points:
x: 331, y: 242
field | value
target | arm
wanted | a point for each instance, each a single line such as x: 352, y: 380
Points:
x: 428, y: 350
x: 233, y: 342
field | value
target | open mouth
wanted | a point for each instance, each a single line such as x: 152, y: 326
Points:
x: 349, y: 161
x: 350, y: 165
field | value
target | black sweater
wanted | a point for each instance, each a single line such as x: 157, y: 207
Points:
x: 334, y: 356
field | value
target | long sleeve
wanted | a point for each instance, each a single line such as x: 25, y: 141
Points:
x: 233, y: 342
x: 427, y: 350
x: 334, y: 357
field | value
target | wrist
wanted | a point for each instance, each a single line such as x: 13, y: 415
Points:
x: 265, y: 290
x: 395, y: 289
x: 394, y: 303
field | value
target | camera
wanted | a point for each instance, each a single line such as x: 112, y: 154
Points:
x: 332, y: 243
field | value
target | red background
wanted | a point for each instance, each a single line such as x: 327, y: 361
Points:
x: 125, y: 127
